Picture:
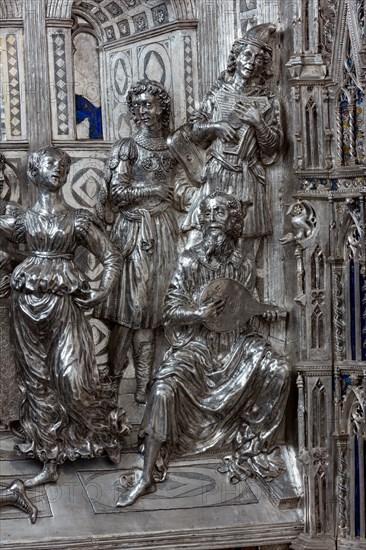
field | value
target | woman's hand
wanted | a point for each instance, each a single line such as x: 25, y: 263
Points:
x: 87, y: 299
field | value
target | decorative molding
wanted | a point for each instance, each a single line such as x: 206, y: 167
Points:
x: 152, y: 33
x: 203, y: 538
x: 59, y: 9
x: 188, y: 75
x: 11, y: 9
x: 11, y: 23
x: 60, y: 76
x: 15, y: 104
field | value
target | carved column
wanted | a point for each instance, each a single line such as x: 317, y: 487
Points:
x: 36, y: 71
x: 216, y: 34
x: 342, y: 486
x: 332, y: 180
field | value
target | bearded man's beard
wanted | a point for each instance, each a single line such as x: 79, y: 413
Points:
x: 217, y: 245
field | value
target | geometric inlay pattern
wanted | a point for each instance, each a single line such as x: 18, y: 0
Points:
x: 14, y: 86
x: 188, y: 486
x: 101, y: 335
x: 59, y: 60
x: 188, y: 75
x: 85, y: 186
x: 127, y: 16
x: 154, y: 68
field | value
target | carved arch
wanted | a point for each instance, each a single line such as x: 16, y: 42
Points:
x: 312, y: 136
x: 10, y: 9
x: 183, y: 9
x: 347, y: 27
x: 59, y: 9
x: 354, y: 401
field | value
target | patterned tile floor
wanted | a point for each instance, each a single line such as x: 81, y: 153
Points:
x: 195, y: 508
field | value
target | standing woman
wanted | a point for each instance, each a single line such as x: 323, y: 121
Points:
x: 139, y: 190
x: 63, y: 414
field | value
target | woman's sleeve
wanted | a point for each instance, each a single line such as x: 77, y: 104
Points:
x: 94, y: 239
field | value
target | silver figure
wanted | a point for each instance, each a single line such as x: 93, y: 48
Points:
x: 63, y: 413
x: 15, y: 495
x: 214, y: 387
x: 9, y: 255
x: 238, y: 123
x: 140, y: 188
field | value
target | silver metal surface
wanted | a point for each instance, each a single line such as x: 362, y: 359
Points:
x: 63, y: 413
x: 15, y: 495
x: 213, y: 388
x: 138, y: 201
x: 239, y: 123
x: 283, y: 130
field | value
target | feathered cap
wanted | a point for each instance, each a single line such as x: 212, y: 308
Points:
x: 259, y: 36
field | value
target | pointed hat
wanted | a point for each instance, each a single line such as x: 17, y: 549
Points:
x: 259, y: 36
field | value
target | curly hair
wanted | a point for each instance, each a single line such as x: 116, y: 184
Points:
x: 34, y: 160
x: 237, y: 47
x: 155, y: 89
x: 236, y: 212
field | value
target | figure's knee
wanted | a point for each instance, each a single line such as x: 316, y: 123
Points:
x: 162, y: 389
x: 283, y: 370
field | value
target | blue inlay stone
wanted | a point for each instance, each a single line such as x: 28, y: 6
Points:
x: 315, y: 184
x: 352, y: 309
x: 86, y: 110
x: 357, y: 490
x: 363, y: 312
x: 345, y: 382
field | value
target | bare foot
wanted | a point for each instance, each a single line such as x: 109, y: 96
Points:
x: 141, y: 488
x: 49, y: 474
x: 22, y: 501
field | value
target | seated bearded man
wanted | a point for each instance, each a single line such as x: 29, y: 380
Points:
x: 213, y: 388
